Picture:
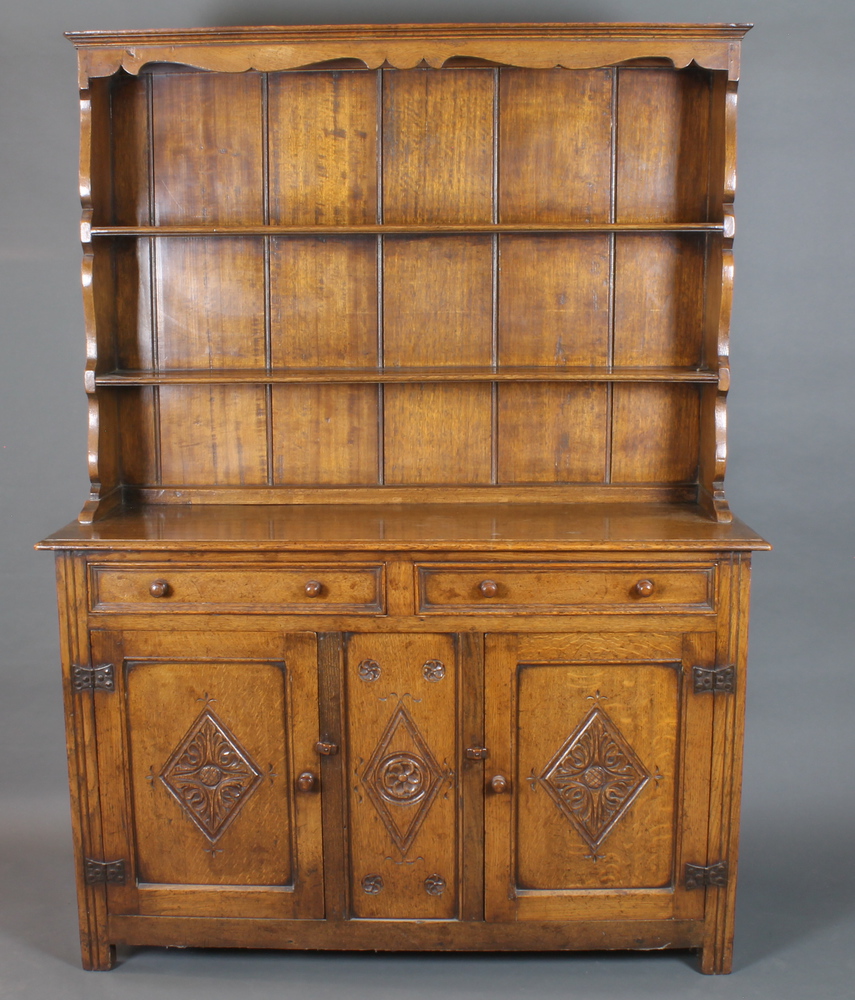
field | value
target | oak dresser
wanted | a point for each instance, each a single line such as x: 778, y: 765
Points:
x: 406, y: 610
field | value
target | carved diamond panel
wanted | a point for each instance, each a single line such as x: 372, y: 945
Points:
x: 595, y: 777
x: 402, y: 778
x: 210, y: 775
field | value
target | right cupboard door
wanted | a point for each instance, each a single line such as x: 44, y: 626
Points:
x: 605, y: 752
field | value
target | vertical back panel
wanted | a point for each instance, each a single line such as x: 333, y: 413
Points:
x: 130, y: 128
x: 659, y: 299
x: 210, y: 302
x: 555, y: 145
x: 137, y: 440
x: 655, y: 433
x: 325, y: 434
x: 552, y: 432
x: 208, y: 162
x: 323, y: 302
x: 437, y: 307
x: 323, y: 148
x: 437, y: 434
x: 213, y: 435
x: 663, y: 148
x: 554, y: 300
x: 438, y: 145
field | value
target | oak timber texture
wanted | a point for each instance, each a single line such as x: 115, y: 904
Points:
x: 407, y: 358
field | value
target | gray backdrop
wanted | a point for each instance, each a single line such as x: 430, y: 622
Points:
x: 790, y: 476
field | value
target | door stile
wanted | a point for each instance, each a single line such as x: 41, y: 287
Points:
x: 696, y: 740
x: 500, y: 668
x: 117, y: 815
x: 470, y: 699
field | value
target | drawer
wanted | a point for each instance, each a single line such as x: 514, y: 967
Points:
x: 237, y: 588
x: 496, y: 587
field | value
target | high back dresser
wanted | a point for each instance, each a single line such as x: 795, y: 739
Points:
x: 406, y: 610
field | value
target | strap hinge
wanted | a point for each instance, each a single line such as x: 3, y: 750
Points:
x: 100, y: 678
x: 103, y: 872
x: 698, y: 876
x: 714, y: 680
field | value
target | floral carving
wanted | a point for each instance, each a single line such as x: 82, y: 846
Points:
x: 210, y: 775
x: 403, y: 777
x: 594, y: 777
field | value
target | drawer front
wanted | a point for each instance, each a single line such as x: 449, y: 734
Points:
x: 241, y: 589
x: 494, y: 587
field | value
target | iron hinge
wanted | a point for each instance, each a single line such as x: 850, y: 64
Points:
x: 103, y: 872
x: 714, y: 680
x: 326, y: 748
x: 698, y: 876
x: 477, y: 753
x: 100, y: 678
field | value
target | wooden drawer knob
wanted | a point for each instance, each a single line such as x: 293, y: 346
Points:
x: 159, y: 588
x: 499, y: 783
x: 306, y: 781
x: 644, y: 588
x: 314, y: 588
x: 488, y: 588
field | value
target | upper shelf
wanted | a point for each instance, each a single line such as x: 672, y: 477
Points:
x: 450, y: 373
x: 438, y: 229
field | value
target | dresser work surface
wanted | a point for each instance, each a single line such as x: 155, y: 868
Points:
x: 407, y: 610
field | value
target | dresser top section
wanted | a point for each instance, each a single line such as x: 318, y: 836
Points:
x: 421, y: 527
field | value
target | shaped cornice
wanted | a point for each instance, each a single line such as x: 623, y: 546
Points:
x: 535, y: 46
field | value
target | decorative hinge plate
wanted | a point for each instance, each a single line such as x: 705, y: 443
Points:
x: 103, y: 872
x: 477, y: 753
x: 698, y: 876
x: 326, y: 748
x: 100, y: 678
x: 714, y: 680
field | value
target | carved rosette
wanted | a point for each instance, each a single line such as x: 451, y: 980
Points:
x: 402, y: 778
x: 433, y: 670
x: 372, y: 884
x: 434, y: 885
x: 594, y: 777
x: 210, y: 775
x: 368, y: 670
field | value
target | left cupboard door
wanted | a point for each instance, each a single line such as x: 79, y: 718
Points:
x: 203, y: 750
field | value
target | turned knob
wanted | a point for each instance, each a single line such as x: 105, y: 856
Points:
x: 306, y: 781
x: 644, y: 588
x: 314, y: 588
x: 488, y: 588
x: 499, y: 783
x: 159, y: 588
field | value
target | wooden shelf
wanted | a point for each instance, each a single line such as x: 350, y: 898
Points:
x: 487, y: 373
x: 412, y: 230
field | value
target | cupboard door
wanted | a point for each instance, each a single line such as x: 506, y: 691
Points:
x: 605, y: 754
x: 403, y: 764
x: 200, y: 751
